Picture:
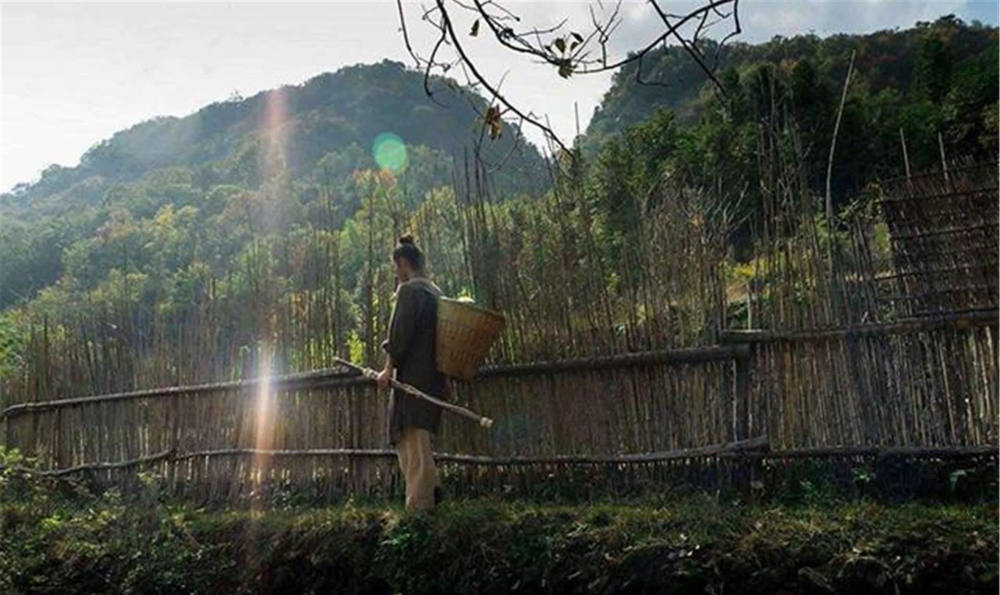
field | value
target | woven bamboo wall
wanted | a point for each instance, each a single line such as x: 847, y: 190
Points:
x: 943, y: 227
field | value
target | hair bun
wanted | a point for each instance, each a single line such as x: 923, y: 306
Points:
x: 406, y: 239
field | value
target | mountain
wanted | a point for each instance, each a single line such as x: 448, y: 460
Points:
x: 929, y: 57
x: 330, y: 115
x: 308, y: 140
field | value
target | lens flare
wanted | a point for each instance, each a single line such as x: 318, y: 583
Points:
x: 390, y: 152
x: 273, y: 131
x: 263, y: 420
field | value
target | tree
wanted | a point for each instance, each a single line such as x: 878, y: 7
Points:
x: 933, y: 70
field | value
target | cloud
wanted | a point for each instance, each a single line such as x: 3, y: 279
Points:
x: 761, y: 20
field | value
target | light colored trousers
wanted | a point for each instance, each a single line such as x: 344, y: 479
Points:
x: 416, y: 461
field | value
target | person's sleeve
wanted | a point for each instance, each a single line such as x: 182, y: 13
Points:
x: 402, y: 325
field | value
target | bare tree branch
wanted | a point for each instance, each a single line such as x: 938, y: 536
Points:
x: 569, y: 52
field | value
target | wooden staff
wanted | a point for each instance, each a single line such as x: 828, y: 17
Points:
x: 416, y: 392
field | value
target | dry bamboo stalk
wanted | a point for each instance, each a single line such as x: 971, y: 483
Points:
x: 960, y: 321
x: 95, y: 466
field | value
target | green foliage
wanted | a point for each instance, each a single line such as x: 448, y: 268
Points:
x: 69, y: 540
x: 781, y: 97
x: 356, y: 348
x: 13, y: 336
x: 935, y: 77
x: 80, y: 220
x: 625, y: 175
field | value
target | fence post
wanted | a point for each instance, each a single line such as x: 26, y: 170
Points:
x: 741, y: 394
x: 173, y: 438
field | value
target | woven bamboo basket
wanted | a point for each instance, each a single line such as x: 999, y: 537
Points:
x: 465, y: 333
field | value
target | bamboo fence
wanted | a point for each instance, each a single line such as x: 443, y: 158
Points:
x: 608, y: 373
x: 327, y: 427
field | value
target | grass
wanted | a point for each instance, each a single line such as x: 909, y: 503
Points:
x: 63, y: 537
x: 56, y: 538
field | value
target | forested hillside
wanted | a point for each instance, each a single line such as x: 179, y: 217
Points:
x: 280, y: 159
x: 932, y: 87
x: 935, y: 77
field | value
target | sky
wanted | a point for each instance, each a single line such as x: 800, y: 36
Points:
x: 73, y: 74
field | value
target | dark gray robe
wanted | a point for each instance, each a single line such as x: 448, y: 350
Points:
x: 412, y: 345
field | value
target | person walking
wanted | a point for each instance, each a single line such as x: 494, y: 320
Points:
x: 410, y: 355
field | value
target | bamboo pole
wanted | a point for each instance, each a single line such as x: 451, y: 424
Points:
x: 370, y: 374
